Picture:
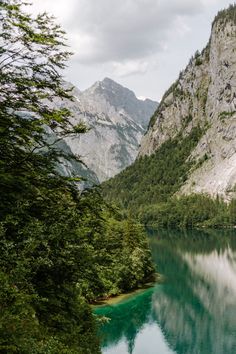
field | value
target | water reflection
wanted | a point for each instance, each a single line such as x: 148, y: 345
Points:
x: 192, y: 312
x: 127, y: 320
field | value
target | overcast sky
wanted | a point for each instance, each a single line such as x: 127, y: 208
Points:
x: 142, y: 44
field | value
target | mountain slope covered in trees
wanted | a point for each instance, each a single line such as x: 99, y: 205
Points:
x: 189, y: 148
x: 204, y: 95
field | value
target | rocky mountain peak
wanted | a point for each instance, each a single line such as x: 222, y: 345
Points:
x: 117, y: 120
x: 107, y: 93
x: 110, y: 86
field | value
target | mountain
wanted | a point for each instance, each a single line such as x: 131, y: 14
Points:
x: 190, y: 145
x: 204, y: 95
x: 186, y: 167
x: 116, y: 119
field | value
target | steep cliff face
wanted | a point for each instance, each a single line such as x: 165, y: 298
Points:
x: 205, y: 96
x: 117, y: 121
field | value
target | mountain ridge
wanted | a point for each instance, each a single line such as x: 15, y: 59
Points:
x: 186, y: 167
x: 204, y: 95
x: 116, y: 119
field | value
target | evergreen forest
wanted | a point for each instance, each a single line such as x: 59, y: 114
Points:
x: 61, y: 248
x: 148, y: 189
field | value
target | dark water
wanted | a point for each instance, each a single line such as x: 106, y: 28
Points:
x: 193, y: 311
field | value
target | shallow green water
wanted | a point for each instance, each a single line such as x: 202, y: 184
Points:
x: 192, y: 312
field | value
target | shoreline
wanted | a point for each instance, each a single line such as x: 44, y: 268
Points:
x: 115, y: 299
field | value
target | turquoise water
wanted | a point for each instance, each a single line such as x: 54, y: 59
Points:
x: 193, y: 310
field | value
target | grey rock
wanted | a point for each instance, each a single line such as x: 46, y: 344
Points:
x: 204, y: 95
x: 116, y: 120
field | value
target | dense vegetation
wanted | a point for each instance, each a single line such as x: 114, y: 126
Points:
x: 60, y: 248
x: 147, y: 189
x: 153, y: 179
x: 189, y: 212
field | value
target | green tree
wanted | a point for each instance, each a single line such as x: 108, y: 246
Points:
x: 41, y: 310
x: 56, y: 243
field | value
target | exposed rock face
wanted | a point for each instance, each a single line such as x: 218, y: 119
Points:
x: 117, y: 122
x: 205, y: 96
x: 68, y: 166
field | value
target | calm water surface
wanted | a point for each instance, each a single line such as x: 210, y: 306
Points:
x: 193, y: 311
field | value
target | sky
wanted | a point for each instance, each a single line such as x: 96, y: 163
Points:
x: 141, y: 44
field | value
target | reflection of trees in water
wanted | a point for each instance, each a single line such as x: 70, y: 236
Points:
x: 197, y: 307
x: 126, y: 319
x: 198, y: 241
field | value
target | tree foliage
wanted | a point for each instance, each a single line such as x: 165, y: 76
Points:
x: 153, y: 179
x: 193, y: 211
x: 148, y: 189
x: 55, y: 242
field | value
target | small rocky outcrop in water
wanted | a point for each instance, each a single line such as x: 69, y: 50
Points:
x: 204, y: 95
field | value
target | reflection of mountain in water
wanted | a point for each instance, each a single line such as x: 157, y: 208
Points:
x: 192, y: 312
x: 197, y: 307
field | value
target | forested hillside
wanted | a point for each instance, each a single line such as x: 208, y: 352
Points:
x: 148, y: 189
x: 60, y: 248
x: 204, y: 95
x: 185, y: 174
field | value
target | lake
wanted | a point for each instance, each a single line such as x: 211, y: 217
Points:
x: 193, y: 309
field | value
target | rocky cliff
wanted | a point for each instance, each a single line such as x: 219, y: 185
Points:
x: 70, y: 167
x: 204, y: 96
x: 116, y: 120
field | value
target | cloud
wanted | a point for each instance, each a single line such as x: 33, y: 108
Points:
x: 113, y: 31
x: 130, y: 37
x: 108, y: 30
x: 130, y: 67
